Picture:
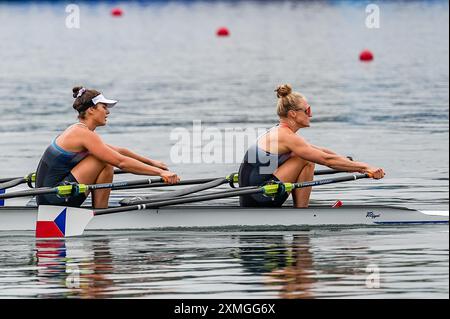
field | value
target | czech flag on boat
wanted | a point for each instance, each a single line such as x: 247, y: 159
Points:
x: 2, y: 201
x: 60, y: 221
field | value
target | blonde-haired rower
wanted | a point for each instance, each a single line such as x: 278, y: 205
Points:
x: 282, y: 155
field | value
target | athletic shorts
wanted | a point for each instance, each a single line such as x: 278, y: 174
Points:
x: 260, y: 200
x: 52, y: 199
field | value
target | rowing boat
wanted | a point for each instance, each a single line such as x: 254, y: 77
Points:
x: 175, y: 209
x: 24, y: 218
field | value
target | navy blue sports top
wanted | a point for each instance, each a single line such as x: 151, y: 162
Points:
x: 55, y: 165
x: 256, y: 169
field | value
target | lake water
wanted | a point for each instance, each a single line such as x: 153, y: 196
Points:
x: 167, y: 68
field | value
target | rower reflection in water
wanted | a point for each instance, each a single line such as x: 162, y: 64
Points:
x: 280, y: 155
x: 81, y: 268
x: 79, y: 155
x: 285, y: 261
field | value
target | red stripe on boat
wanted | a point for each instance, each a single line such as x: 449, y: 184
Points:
x: 48, y: 229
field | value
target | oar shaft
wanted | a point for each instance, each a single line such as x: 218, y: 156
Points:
x: 26, y: 193
x: 250, y: 190
x: 331, y: 180
x: 329, y: 171
x: 207, y: 180
x: 184, y: 200
x: 181, y: 183
x: 68, y: 190
x: 178, y: 193
x: 116, y: 185
x: 119, y: 171
x: 12, y: 183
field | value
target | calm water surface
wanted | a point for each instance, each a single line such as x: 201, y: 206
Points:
x: 317, y: 263
x: 167, y: 68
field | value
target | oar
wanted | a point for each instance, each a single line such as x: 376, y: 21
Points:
x: 73, y: 189
x: 6, y: 183
x: 269, y: 190
x: 119, y: 171
x: 10, y: 182
x: 207, y: 180
x: 183, y: 192
x: 181, y: 183
x: 57, y: 221
x: 327, y: 172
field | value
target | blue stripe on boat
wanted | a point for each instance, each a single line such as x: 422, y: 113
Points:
x: 414, y: 222
x: 2, y: 201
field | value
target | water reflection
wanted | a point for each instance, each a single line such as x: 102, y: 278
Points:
x: 302, y: 264
x: 296, y: 277
x: 298, y: 266
x: 285, y: 260
x: 81, y: 267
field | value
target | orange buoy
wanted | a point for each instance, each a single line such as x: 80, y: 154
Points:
x: 117, y: 12
x: 366, y: 56
x: 223, y: 32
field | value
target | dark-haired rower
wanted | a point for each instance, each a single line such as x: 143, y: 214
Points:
x: 79, y: 155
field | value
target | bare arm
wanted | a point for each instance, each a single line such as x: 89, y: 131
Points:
x: 303, y: 149
x: 323, y: 149
x: 146, y: 160
x: 96, y: 147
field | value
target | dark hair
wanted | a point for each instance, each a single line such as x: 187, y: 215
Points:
x: 83, y: 100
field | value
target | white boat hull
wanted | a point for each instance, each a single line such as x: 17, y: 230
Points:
x: 24, y: 218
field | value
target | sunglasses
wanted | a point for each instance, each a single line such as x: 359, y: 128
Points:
x: 307, y: 111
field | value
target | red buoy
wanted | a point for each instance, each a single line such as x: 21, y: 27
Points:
x: 223, y: 32
x: 366, y: 56
x: 116, y: 12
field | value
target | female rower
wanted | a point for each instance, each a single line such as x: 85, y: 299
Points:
x: 79, y: 155
x: 280, y: 155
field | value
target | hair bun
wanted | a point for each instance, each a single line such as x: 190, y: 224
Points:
x: 75, y: 91
x: 283, y: 90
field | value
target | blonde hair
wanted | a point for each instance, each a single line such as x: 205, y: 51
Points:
x: 288, y: 100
